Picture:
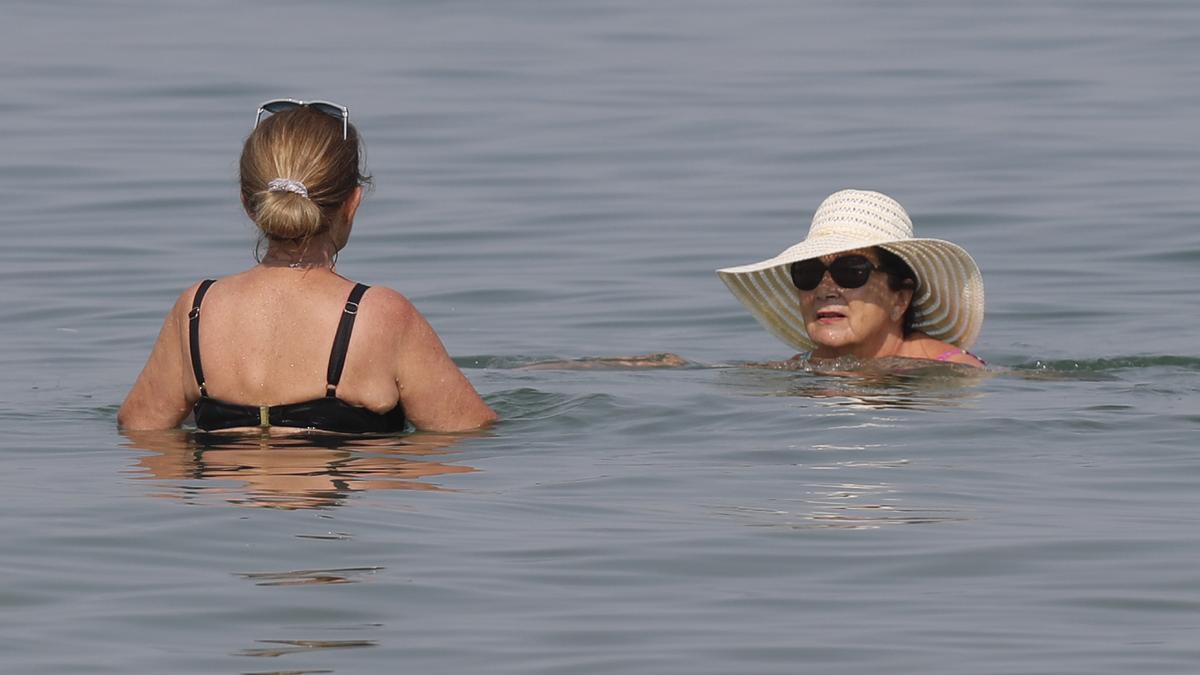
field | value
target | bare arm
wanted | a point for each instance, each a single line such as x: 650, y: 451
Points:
x: 656, y: 360
x: 160, y: 397
x: 435, y: 393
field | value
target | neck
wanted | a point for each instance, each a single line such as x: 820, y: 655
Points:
x: 318, y: 252
x: 888, y: 344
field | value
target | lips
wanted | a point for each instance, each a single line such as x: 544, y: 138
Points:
x: 829, y: 316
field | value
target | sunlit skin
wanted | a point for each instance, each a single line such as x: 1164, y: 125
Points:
x: 866, y: 322
x: 395, y: 355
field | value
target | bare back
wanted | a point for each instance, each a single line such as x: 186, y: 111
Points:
x: 265, y: 340
x: 266, y: 336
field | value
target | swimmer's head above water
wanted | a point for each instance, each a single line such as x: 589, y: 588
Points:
x: 300, y: 168
x: 860, y: 284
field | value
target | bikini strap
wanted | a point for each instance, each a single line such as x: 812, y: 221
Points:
x: 956, y: 351
x: 341, y: 341
x: 194, y: 334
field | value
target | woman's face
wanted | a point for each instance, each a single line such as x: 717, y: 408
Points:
x: 866, y: 321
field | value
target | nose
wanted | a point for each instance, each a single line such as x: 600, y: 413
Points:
x: 827, y: 286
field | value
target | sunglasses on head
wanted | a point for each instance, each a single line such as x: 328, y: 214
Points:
x: 848, y: 271
x: 330, y: 108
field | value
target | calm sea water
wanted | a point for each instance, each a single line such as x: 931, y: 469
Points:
x: 558, y: 181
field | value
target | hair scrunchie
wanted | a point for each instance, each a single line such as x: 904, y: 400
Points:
x: 287, y: 185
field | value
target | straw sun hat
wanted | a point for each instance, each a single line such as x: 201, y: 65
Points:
x: 948, y: 301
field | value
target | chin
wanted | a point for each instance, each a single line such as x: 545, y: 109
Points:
x: 824, y: 340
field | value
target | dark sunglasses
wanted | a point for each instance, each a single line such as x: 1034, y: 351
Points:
x: 848, y: 271
x: 328, y: 107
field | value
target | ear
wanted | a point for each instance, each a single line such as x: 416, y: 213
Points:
x: 351, y: 205
x: 904, y: 298
x: 341, y: 230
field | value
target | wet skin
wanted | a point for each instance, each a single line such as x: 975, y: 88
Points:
x: 866, y: 322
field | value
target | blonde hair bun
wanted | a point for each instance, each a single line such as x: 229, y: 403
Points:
x: 296, y: 171
x: 287, y: 215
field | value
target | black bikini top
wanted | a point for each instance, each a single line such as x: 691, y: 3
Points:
x: 329, y: 413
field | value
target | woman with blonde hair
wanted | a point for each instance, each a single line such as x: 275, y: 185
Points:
x: 289, y: 343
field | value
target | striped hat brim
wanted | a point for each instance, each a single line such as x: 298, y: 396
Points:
x: 948, y: 302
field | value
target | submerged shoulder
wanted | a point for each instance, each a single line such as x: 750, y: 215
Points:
x: 962, y: 356
x: 922, y: 346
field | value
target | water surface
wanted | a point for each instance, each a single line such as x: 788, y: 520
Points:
x: 558, y: 181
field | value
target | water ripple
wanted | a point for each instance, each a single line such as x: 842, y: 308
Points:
x: 347, y: 575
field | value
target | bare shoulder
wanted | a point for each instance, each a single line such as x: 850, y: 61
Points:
x: 183, y: 305
x: 391, y: 305
x: 185, y: 299
x: 397, y: 317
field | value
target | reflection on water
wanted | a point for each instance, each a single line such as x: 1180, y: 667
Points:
x: 888, y: 383
x: 302, y: 471
x: 882, y: 384
x: 348, y: 575
x: 285, y: 647
x: 845, y: 506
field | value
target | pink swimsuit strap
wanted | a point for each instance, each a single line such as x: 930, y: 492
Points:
x: 955, y: 352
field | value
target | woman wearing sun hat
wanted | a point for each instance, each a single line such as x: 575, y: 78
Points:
x: 289, y: 343
x: 861, y: 285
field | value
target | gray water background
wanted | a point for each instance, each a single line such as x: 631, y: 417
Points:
x: 559, y: 180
